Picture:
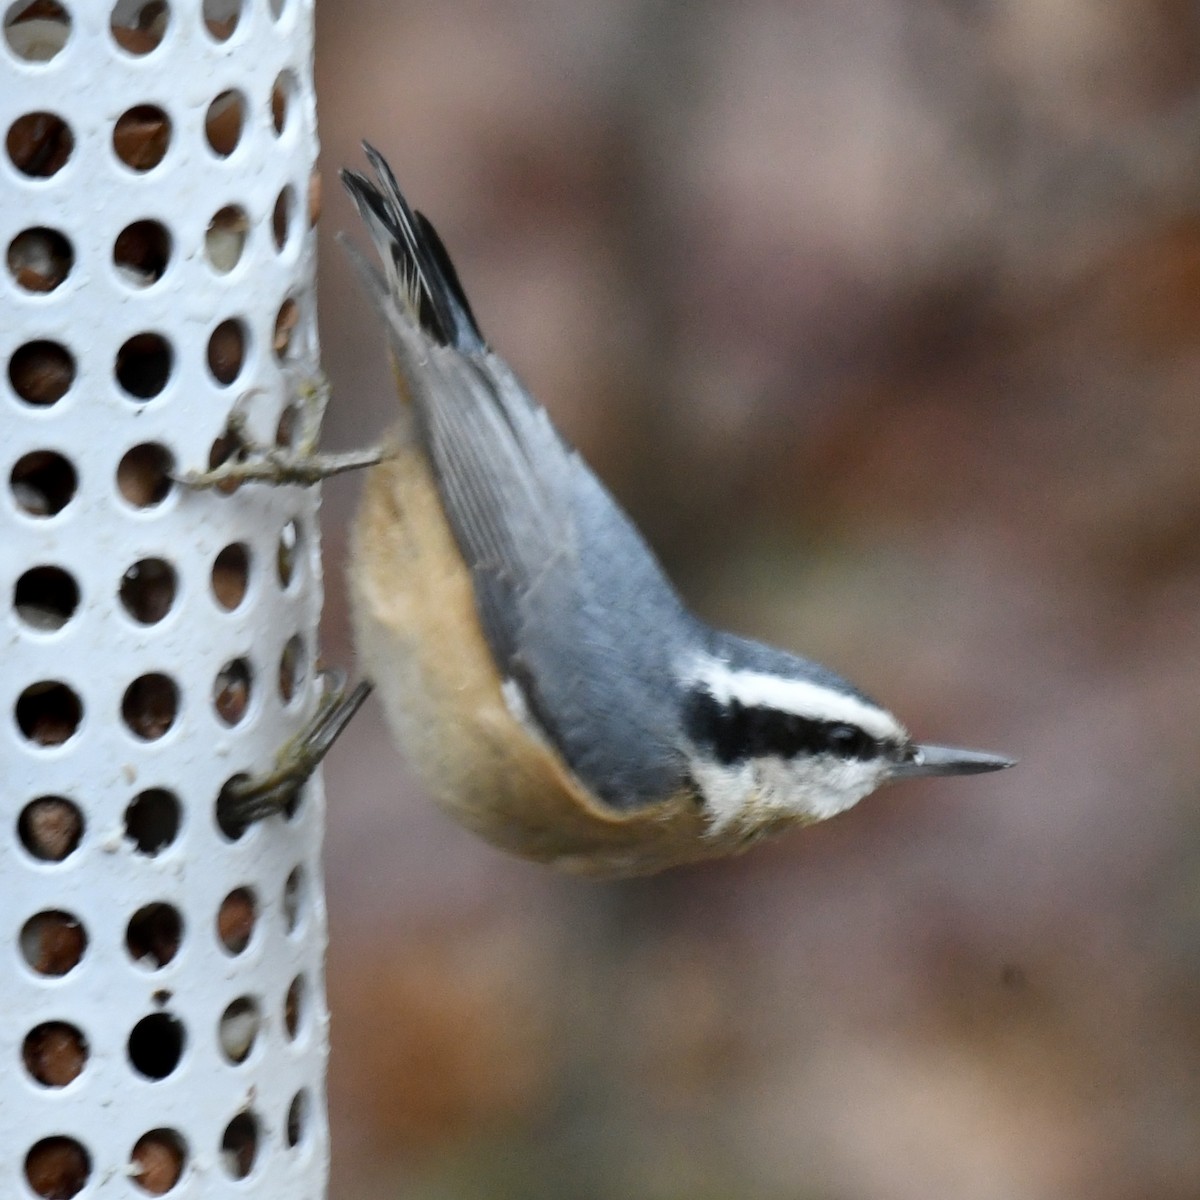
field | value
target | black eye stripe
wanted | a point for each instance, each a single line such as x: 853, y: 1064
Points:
x: 737, y: 732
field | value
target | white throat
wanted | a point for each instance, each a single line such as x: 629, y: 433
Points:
x: 766, y: 791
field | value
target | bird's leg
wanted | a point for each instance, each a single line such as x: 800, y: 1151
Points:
x: 245, y: 800
x: 292, y: 459
x: 298, y: 462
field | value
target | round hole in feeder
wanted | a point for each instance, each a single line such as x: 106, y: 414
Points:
x: 39, y: 144
x: 225, y: 238
x: 41, y: 372
x: 141, y: 253
x: 225, y: 448
x: 36, y: 30
x: 297, y: 1118
x: 227, y: 351
x: 221, y: 18
x: 39, y: 259
x: 231, y: 575
x: 223, y: 122
x: 291, y: 668
x: 57, y: 1168
x: 143, y: 365
x: 50, y: 828
x: 153, y: 934
x: 229, y: 810
x: 157, y: 1161
x: 45, y: 598
x: 141, y: 137
x: 231, y: 691
x: 150, y: 706
x: 282, y: 95
x: 155, y: 1045
x: 53, y: 942
x: 54, y: 1053
x: 43, y: 483
x: 295, y: 1007
x: 152, y: 820
x: 281, y: 217
x: 287, y: 552
x: 144, y: 474
x: 49, y: 713
x: 286, y: 321
x: 239, y: 1145
x: 138, y: 26
x: 293, y: 900
x: 236, y: 919
x: 287, y: 428
x: 238, y: 1028
x: 148, y: 590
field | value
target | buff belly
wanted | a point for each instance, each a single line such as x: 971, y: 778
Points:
x: 419, y: 640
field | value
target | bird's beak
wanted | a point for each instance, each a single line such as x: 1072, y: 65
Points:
x: 947, y: 760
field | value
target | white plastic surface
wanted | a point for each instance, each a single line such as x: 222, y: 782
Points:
x: 225, y: 1004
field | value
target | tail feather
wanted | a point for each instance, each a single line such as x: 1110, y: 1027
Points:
x: 445, y: 265
x: 419, y: 271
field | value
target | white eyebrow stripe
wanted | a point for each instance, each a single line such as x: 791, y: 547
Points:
x: 804, y: 698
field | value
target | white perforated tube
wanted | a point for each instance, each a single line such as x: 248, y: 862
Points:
x: 162, y: 1012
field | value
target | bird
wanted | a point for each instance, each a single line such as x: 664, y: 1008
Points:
x: 536, y: 666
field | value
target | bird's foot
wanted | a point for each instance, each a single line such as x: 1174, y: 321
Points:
x: 295, y: 457
x: 246, y: 799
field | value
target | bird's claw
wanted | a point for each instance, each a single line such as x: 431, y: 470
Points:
x: 297, y: 461
x: 246, y: 799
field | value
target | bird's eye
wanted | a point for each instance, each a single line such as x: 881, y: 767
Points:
x: 848, y: 741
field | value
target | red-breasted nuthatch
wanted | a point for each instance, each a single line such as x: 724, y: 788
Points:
x: 534, y: 662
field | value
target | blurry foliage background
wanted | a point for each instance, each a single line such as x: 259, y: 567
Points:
x: 884, y: 321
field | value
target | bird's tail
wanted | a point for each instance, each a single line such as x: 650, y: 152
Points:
x: 418, y: 273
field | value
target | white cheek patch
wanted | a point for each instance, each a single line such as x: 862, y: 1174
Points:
x: 802, y: 697
x: 765, y: 789
x: 817, y: 788
x: 727, y: 792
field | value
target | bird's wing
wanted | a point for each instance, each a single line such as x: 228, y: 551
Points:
x: 574, y: 606
x: 501, y: 467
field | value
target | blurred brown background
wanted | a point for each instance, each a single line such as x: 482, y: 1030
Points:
x: 884, y: 321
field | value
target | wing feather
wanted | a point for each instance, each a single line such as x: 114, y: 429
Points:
x: 573, y: 605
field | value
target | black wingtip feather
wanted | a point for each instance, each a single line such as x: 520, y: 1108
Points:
x: 445, y: 265
x: 417, y: 253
